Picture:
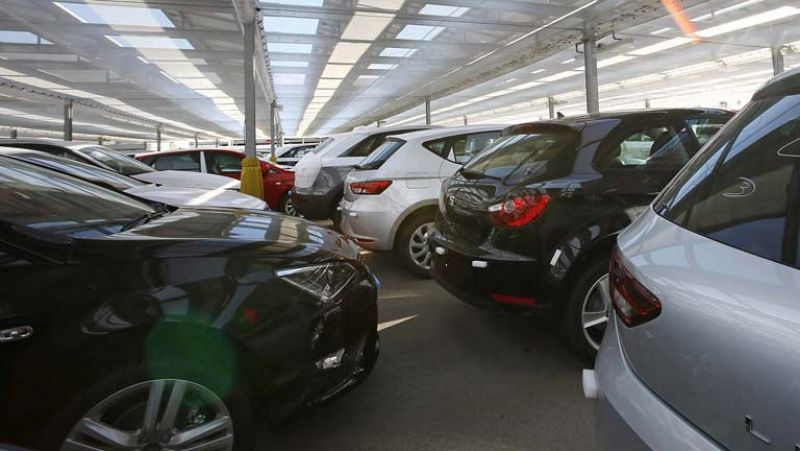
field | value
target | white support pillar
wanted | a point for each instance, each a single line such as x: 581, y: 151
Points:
x: 68, y: 116
x: 428, y: 111
x: 777, y: 60
x: 590, y: 70
x: 249, y: 90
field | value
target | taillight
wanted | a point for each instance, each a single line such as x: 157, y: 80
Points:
x: 370, y: 188
x: 518, y: 211
x: 634, y: 303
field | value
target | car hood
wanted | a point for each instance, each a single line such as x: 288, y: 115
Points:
x: 306, y: 171
x: 202, y: 232
x: 194, y: 197
x: 188, y: 180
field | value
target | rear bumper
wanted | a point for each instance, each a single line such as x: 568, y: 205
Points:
x: 315, y: 205
x: 629, y: 415
x: 371, y: 227
x: 492, y: 282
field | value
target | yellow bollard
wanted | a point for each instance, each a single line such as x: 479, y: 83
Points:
x: 252, y: 182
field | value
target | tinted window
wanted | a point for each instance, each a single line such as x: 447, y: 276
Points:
x: 467, y: 146
x: 223, y: 162
x: 298, y: 152
x: 51, y: 202
x: 178, y: 162
x: 114, y: 160
x: 366, y: 146
x: 381, y: 154
x: 744, y: 188
x: 527, y: 157
x: 439, y: 147
x: 74, y: 168
x: 705, y: 129
x: 657, y: 146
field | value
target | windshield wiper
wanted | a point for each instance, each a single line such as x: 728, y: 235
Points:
x: 144, y: 219
x: 470, y: 174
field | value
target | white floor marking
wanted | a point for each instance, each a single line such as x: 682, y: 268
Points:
x: 398, y: 295
x: 388, y: 324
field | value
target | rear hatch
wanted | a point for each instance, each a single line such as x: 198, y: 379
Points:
x: 517, y: 164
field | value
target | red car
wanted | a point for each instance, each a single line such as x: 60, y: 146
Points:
x: 278, y: 182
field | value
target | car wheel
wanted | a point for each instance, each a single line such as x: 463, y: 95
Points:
x: 412, y: 245
x: 335, y: 214
x: 368, y: 356
x: 286, y: 206
x: 588, y: 309
x: 135, y: 412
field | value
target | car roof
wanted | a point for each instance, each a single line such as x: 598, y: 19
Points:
x: 449, y: 131
x: 577, y: 121
x: 52, y: 142
x: 787, y: 83
x: 368, y: 131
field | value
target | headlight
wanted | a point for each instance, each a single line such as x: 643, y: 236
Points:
x: 324, y: 281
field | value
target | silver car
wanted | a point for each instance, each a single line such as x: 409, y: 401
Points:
x: 703, y: 351
x: 390, y: 199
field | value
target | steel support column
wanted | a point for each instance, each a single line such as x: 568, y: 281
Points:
x: 249, y: 91
x: 646, y: 104
x: 68, y: 115
x: 428, y: 111
x: 551, y: 107
x: 196, y: 140
x: 590, y: 65
x: 13, y: 133
x: 466, y: 120
x: 158, y: 138
x: 777, y: 60
x: 272, y: 131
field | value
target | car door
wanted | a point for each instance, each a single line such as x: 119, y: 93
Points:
x: 228, y: 164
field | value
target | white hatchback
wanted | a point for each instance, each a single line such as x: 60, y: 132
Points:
x: 390, y: 199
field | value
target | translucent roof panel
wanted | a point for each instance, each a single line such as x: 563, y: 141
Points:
x: 116, y: 15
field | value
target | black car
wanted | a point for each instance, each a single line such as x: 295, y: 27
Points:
x: 128, y: 325
x: 529, y: 225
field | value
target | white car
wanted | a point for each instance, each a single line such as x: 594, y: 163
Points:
x: 169, y: 195
x: 319, y: 176
x: 287, y: 155
x: 106, y: 158
x: 391, y: 198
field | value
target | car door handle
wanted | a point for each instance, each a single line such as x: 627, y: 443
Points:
x: 15, y: 334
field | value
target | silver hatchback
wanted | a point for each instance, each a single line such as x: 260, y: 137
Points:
x: 704, y: 351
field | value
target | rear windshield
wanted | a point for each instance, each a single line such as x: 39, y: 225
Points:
x: 114, y: 160
x: 743, y: 188
x: 83, y: 171
x: 527, y: 157
x: 381, y: 155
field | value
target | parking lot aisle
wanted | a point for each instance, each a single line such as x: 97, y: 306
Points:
x: 451, y: 378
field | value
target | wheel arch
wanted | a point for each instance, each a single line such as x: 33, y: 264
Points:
x: 420, y: 208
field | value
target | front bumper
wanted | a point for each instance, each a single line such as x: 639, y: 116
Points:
x: 629, y: 415
x: 492, y: 280
x: 370, y: 227
x: 316, y: 205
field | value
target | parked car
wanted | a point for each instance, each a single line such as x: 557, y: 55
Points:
x: 704, y: 286
x: 529, y: 225
x: 287, y: 155
x: 128, y: 325
x: 173, y: 196
x: 108, y: 159
x: 390, y: 199
x: 319, y: 184
x: 277, y: 181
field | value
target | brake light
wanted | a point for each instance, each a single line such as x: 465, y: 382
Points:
x: 370, y: 188
x: 634, y: 303
x: 519, y: 211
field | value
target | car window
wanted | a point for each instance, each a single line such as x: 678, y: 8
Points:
x: 381, y: 154
x: 223, y: 162
x: 704, y: 129
x: 51, y: 202
x: 744, y: 188
x: 74, y: 168
x: 439, y: 147
x: 178, y: 162
x: 115, y: 160
x: 365, y: 146
x: 656, y: 146
x: 466, y: 147
x: 527, y: 157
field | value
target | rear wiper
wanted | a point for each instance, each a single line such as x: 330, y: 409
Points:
x: 470, y: 174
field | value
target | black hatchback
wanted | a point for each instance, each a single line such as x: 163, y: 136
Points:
x: 529, y: 225
x: 132, y: 325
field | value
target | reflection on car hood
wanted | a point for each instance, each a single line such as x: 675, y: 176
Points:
x: 188, y: 180
x: 194, y: 232
x: 194, y: 197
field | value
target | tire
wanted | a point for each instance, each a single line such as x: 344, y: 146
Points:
x: 286, y: 206
x: 587, y: 310
x: 412, y: 248
x: 120, y: 401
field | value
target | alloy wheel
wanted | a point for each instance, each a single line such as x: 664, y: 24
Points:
x: 288, y: 207
x: 595, y: 311
x: 418, y: 248
x: 163, y: 414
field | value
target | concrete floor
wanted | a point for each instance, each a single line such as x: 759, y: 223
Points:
x: 451, y: 378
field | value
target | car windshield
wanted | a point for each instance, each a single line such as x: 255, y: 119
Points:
x: 51, y: 202
x: 526, y: 157
x: 382, y: 154
x: 80, y: 170
x: 114, y: 160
